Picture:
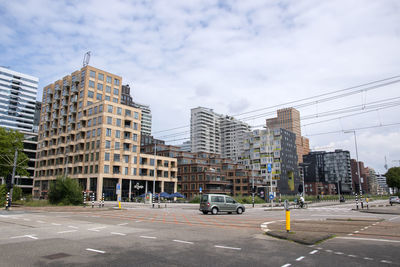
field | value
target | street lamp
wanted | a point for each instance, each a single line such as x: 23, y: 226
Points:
x: 358, y: 164
x: 155, y: 170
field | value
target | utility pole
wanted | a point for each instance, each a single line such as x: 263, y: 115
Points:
x: 155, y: 171
x: 13, y: 176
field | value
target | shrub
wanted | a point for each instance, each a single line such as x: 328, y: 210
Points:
x: 65, y: 191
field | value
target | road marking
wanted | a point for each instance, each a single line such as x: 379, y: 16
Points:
x: 69, y: 231
x: 74, y: 227
x: 374, y: 224
x: 313, y: 252
x: 394, y: 218
x: 339, y: 253
x: 319, y: 248
x: 121, y: 224
x: 385, y: 261
x: 368, y: 239
x: 286, y: 265
x: 150, y: 237
x: 95, y: 250
x: 29, y: 236
x: 181, y: 241
x: 349, y: 234
x: 40, y: 221
x: 217, y: 246
x: 115, y: 233
x: 353, y: 256
x: 366, y: 258
x: 328, y: 250
x: 356, y: 232
x: 138, y: 221
x: 56, y: 224
x: 26, y: 219
x: 300, y: 258
x: 96, y: 229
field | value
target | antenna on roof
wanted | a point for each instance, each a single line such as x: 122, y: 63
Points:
x: 86, y: 59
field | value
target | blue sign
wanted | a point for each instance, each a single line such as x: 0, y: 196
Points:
x: 271, y: 196
x: 200, y: 189
x: 269, y: 167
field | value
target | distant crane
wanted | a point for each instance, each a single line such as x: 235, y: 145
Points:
x: 86, y: 59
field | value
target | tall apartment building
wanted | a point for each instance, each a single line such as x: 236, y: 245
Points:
x: 381, y: 180
x: 18, y: 93
x: 327, y: 168
x: 87, y: 134
x: 289, y: 119
x: 271, y: 155
x: 146, y: 111
x: 215, y: 133
x: 186, y: 146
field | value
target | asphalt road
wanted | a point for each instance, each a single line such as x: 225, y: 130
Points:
x: 141, y: 236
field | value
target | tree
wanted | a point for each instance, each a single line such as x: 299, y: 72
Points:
x: 393, y: 177
x: 66, y: 191
x: 11, y: 140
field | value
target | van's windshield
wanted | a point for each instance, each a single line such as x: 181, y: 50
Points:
x: 204, y: 198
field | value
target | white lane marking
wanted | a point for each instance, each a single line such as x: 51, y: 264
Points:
x: 115, y: 233
x: 374, y: 224
x: 149, y: 237
x: 68, y: 231
x: 138, y: 221
x: 96, y: 229
x: 366, y: 258
x: 385, y: 261
x: 368, y: 239
x: 56, y: 224
x: 313, y: 252
x: 319, y: 248
x: 349, y: 234
x: 339, y: 253
x: 27, y: 219
x: 217, y: 246
x: 353, y: 256
x: 394, y: 218
x: 74, y: 227
x: 300, y: 258
x: 181, y: 241
x: 95, y: 250
x: 328, y: 250
x: 286, y: 265
x: 40, y: 221
x: 356, y: 232
x: 121, y: 224
x: 29, y: 236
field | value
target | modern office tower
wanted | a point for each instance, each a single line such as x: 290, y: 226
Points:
x: 215, y: 133
x: 186, y: 146
x: 18, y: 93
x: 271, y: 155
x: 372, y: 182
x: 36, y: 119
x: 289, y: 119
x: 327, y: 170
x: 381, y: 179
x: 363, y: 175
x: 146, y: 111
x: 87, y: 134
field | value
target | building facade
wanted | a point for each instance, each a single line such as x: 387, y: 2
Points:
x: 18, y: 106
x: 87, y: 134
x: 289, y: 119
x: 334, y: 168
x: 364, y: 173
x: 271, y: 156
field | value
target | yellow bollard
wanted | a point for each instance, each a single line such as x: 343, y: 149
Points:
x: 119, y: 204
x: 288, y: 221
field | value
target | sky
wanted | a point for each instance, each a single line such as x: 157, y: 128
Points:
x: 232, y: 56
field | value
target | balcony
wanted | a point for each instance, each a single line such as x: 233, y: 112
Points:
x: 57, y: 96
x: 56, y: 106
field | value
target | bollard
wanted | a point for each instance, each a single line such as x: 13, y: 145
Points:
x: 287, y: 211
x: 356, y: 201
x: 102, y: 201
x: 7, y: 200
x: 92, y: 200
x: 84, y: 199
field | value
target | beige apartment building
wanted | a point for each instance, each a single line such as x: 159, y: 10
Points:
x: 87, y: 134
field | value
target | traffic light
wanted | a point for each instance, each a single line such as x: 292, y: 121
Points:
x: 8, y: 182
x: 300, y: 189
x: 254, y: 189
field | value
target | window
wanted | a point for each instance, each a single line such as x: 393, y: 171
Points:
x: 134, y: 160
x: 107, y: 97
x: 108, y: 132
x: 117, y: 145
x: 94, y: 121
x: 119, y: 111
x: 92, y: 74
x: 135, y: 126
x: 91, y: 84
x: 110, y: 108
x: 108, y: 144
x: 108, y: 89
x: 106, y: 168
x: 96, y: 168
x: 98, y: 131
x: 136, y: 115
x: 109, y: 120
x: 134, y: 137
x: 128, y: 112
x: 134, y: 148
x: 126, y: 170
x: 100, y: 76
x: 89, y: 123
x: 117, y: 134
x: 100, y: 108
x: 118, y: 122
x: 90, y: 94
x: 109, y: 79
x: 229, y: 200
x: 116, y: 91
x: 95, y: 110
x: 100, y: 86
x: 126, y: 158
x: 217, y: 199
x: 116, y: 157
x: 115, y: 100
x: 100, y: 120
x: 89, y: 103
x: 116, y: 82
x: 99, y: 96
x: 152, y: 162
x: 134, y: 171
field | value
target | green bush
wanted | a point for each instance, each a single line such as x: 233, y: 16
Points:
x: 195, y: 199
x: 65, y: 191
x: 3, y: 195
x: 249, y: 199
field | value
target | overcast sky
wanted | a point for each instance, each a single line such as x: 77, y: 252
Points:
x: 231, y: 56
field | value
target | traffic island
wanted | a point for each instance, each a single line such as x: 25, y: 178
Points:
x: 305, y: 238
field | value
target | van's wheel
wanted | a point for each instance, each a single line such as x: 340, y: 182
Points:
x: 205, y: 212
x: 214, y: 211
x: 239, y: 211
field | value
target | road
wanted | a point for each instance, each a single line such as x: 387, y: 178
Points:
x: 182, y: 236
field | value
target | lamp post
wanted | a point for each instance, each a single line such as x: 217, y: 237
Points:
x: 155, y: 170
x: 358, y: 164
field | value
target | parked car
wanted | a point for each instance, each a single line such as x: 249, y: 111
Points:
x: 394, y: 200
x: 215, y: 203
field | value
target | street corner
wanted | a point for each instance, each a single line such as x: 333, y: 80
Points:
x: 301, y: 237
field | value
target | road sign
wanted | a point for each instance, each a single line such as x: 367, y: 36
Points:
x: 271, y: 195
x: 118, y: 189
x: 200, y: 189
x: 269, y: 167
